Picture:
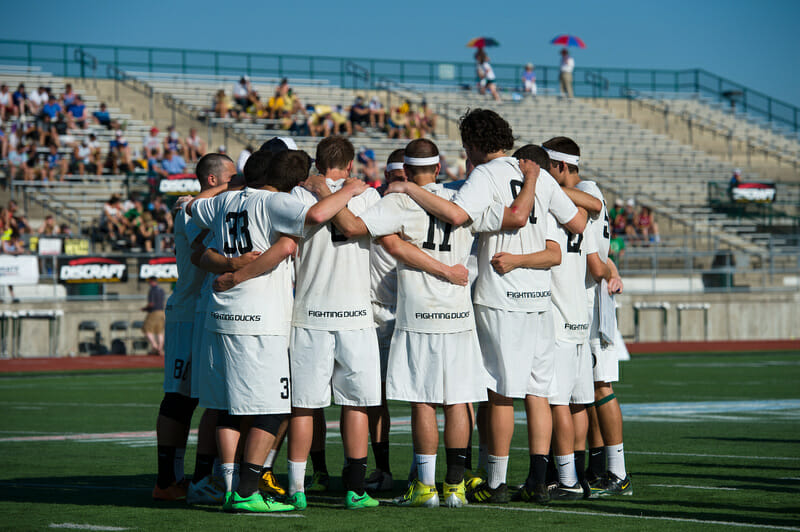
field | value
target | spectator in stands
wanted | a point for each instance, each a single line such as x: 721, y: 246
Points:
x: 102, y: 116
x: 76, y: 113
x: 51, y: 108
x: 377, y: 114
x: 292, y: 104
x: 112, y: 221
x: 172, y: 141
x: 736, y: 178
x: 630, y: 220
x: 7, y: 107
x: 243, y: 156
x: 529, y: 80
x: 367, y: 166
x: 146, y: 232
x: 359, y: 114
x: 3, y: 142
x: 20, y: 99
x: 397, y: 123
x: 82, y: 159
x: 195, y: 146
x: 68, y: 96
x: 33, y: 163
x: 565, y: 76
x: 65, y: 230
x: 283, y: 88
x: 14, y: 245
x: 616, y: 209
x: 16, y: 162
x: 153, y: 327
x: 616, y: 248
x: 48, y: 227
x: 274, y: 106
x: 46, y: 132
x: 256, y: 107
x: 38, y: 99
x: 152, y: 143
x: 96, y: 153
x: 119, y: 154
x: 241, y: 93
x: 172, y: 164
x: 427, y: 120
x: 162, y: 215
x: 486, y: 74
x: 222, y: 104
x: 647, y: 227
x: 56, y: 164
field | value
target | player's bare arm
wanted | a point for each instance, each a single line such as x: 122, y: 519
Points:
x: 414, y: 257
x: 615, y: 283
x: 547, y: 258
x: 326, y: 208
x: 346, y: 222
x: 578, y: 222
x: 597, y: 267
x: 582, y: 199
x: 212, y: 261
x: 517, y: 214
x: 285, y: 246
x: 205, y: 194
x: 443, y: 209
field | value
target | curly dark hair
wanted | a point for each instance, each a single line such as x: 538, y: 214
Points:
x: 486, y: 131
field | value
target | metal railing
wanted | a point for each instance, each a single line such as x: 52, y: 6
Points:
x: 58, y: 58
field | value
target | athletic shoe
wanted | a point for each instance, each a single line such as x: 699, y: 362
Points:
x: 355, y: 502
x: 419, y: 495
x: 455, y: 495
x: 298, y: 500
x: 268, y: 484
x: 379, y: 481
x: 209, y: 490
x: 567, y: 493
x: 538, y: 494
x: 228, y: 502
x: 485, y: 495
x: 319, y: 482
x: 255, y: 503
x: 173, y: 492
x: 472, y: 479
x: 614, y: 485
x: 593, y: 479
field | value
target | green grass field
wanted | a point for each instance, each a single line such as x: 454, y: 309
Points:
x: 712, y: 442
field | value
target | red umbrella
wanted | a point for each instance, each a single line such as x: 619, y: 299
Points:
x: 568, y: 40
x: 482, y: 42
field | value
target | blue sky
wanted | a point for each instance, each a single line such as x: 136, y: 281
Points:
x: 753, y: 43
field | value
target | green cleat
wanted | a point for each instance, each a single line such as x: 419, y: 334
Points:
x: 455, y: 495
x: 355, y: 502
x: 298, y: 500
x: 472, y: 479
x: 419, y: 495
x: 319, y: 483
x: 257, y: 504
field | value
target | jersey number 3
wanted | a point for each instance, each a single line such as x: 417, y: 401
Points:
x: 238, y: 234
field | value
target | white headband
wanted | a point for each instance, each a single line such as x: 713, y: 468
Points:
x: 394, y: 166
x: 421, y: 161
x: 564, y: 157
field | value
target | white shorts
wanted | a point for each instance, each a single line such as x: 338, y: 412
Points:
x: 517, y: 350
x: 343, y: 362
x: 256, y: 373
x: 572, y: 378
x: 210, y: 364
x: 178, y: 357
x: 198, y: 335
x: 384, y: 318
x: 605, y: 363
x: 437, y: 368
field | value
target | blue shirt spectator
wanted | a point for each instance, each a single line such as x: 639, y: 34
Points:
x: 102, y: 116
x: 173, y: 164
x: 51, y: 108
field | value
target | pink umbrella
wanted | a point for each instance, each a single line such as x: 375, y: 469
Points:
x: 568, y: 40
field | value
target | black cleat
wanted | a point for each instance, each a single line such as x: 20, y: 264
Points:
x: 486, y: 495
x: 614, y: 485
x: 567, y: 493
x: 538, y: 494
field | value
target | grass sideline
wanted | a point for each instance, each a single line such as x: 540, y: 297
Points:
x: 711, y: 442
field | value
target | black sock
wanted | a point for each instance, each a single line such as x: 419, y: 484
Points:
x: 166, y: 466
x: 381, y: 451
x: 537, y: 470
x: 248, y: 479
x: 580, y: 465
x: 355, y: 469
x: 318, y: 461
x: 597, y: 460
x: 552, y: 472
x: 455, y: 465
x: 468, y: 461
x: 203, y: 465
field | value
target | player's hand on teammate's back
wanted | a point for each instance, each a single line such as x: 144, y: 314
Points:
x: 316, y: 184
x: 243, y: 260
x: 530, y: 169
x: 503, y: 262
x: 397, y: 187
x: 614, y: 285
x: 458, y: 274
x: 223, y: 282
x: 181, y: 201
x: 356, y: 185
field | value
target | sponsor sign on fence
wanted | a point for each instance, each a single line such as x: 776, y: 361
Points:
x: 753, y: 192
x: 164, y: 269
x: 18, y: 270
x: 92, y: 270
x: 179, y: 185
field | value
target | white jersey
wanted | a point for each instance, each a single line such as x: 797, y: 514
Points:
x: 244, y: 221
x: 426, y: 303
x: 382, y: 276
x: 498, y: 182
x: 570, y: 303
x: 206, y: 288
x: 182, y: 301
x: 332, y: 289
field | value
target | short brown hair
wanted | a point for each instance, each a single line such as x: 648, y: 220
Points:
x: 420, y: 148
x: 334, y: 152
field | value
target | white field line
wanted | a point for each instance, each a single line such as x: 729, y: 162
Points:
x: 694, y: 487
x: 77, y: 526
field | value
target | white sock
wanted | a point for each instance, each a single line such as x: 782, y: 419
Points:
x: 179, y: 454
x: 297, y: 477
x: 227, y: 475
x: 483, y: 456
x: 270, y: 458
x: 496, y: 470
x: 426, y: 469
x: 616, y: 460
x: 566, y: 470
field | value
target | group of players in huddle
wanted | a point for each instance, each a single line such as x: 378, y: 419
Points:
x: 294, y: 288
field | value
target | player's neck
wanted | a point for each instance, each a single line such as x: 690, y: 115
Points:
x: 571, y: 180
x: 494, y: 155
x: 337, y: 174
x: 425, y: 179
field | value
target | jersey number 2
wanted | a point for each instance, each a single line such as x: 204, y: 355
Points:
x: 239, y: 235
x: 516, y: 186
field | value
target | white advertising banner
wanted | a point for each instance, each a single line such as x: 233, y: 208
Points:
x: 18, y: 270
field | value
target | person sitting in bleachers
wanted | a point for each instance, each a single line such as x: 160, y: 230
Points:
x: 68, y: 96
x: 82, y: 162
x: 152, y: 143
x: 377, y: 114
x: 112, y: 222
x: 48, y: 227
x: 647, y: 227
x: 76, y: 113
x: 426, y: 120
x: 51, y: 108
x: 195, y: 146
x: 102, y: 117
x: 241, y: 93
x: 22, y: 103
x: 96, y: 153
x: 172, y: 141
x: 359, y: 114
x: 56, y: 164
x: 631, y: 232
x: 37, y: 100
x: 118, y: 158
x: 7, y: 107
x: 275, y: 105
x: 222, y: 104
x: 34, y: 162
x: 16, y: 162
x: 45, y: 132
x: 172, y: 164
